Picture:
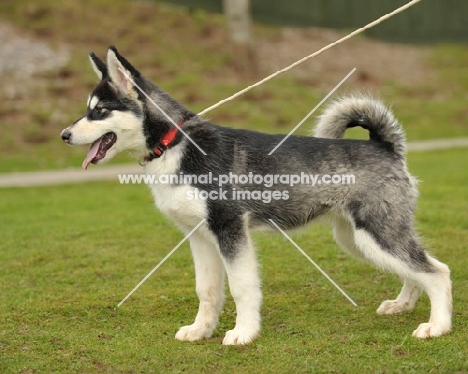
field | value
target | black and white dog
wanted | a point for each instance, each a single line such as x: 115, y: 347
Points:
x: 372, y: 218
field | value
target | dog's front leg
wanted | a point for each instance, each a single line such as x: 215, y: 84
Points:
x: 210, y: 289
x: 244, y: 283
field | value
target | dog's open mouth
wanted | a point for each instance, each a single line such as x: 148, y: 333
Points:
x: 99, y: 148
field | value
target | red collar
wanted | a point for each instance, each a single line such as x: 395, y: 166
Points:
x: 166, y: 140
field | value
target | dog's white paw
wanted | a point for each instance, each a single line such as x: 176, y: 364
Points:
x: 194, y: 332
x: 431, y: 330
x: 393, y: 306
x: 240, y: 336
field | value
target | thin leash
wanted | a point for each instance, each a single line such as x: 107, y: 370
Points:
x: 304, y: 59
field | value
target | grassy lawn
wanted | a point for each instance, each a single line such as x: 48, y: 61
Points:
x: 69, y: 254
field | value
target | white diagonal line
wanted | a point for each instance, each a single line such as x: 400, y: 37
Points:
x: 162, y: 261
x: 312, y: 111
x: 306, y: 58
x: 162, y: 111
x: 312, y: 262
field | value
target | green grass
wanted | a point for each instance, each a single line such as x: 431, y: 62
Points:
x: 69, y: 254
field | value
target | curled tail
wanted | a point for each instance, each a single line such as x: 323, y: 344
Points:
x: 367, y: 113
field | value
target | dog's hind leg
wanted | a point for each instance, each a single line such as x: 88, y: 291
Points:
x: 439, y: 289
x: 343, y: 232
x: 405, y: 301
x: 420, y: 272
x: 210, y: 288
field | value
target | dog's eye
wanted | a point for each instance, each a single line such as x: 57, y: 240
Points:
x: 101, y: 109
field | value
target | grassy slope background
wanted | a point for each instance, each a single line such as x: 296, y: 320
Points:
x: 187, y: 54
x: 67, y: 256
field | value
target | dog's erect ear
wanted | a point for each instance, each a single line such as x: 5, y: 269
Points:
x: 119, y: 72
x: 99, y: 66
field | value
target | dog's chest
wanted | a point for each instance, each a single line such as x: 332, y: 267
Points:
x: 174, y: 201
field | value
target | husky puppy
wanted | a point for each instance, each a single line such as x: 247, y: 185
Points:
x: 371, y: 218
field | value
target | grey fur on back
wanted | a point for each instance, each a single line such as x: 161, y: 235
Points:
x: 365, y: 112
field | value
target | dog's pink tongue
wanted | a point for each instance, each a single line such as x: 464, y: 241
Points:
x: 91, y: 154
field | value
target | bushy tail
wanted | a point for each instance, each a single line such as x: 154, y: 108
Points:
x: 366, y: 112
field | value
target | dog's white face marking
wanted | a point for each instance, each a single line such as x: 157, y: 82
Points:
x: 127, y: 126
x: 89, y: 99
x: 93, y: 101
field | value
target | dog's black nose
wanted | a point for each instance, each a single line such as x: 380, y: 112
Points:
x: 66, y: 135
